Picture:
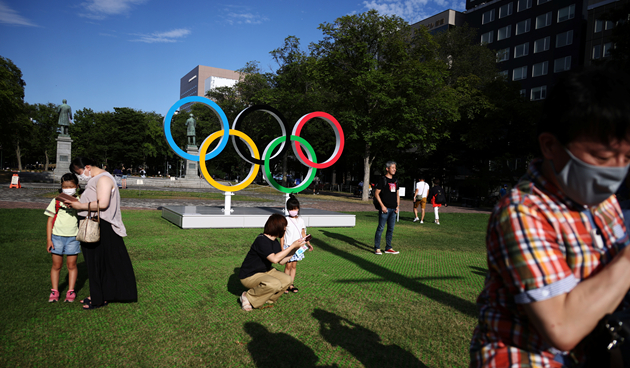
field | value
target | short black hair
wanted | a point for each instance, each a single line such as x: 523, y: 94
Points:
x: 293, y: 203
x: 275, y: 225
x: 69, y: 177
x: 80, y: 162
x: 436, y: 181
x: 593, y: 102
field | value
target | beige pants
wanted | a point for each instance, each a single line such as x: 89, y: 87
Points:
x: 266, y: 286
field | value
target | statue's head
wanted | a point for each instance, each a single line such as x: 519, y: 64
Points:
x: 191, y: 115
x: 64, y: 101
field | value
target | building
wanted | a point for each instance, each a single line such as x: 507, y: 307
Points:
x: 442, y: 21
x: 204, y: 78
x: 535, y: 40
x: 598, y: 31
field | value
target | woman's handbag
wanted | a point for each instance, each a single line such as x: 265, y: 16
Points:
x: 90, y: 227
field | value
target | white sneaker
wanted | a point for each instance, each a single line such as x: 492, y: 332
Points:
x: 416, y: 219
x: 422, y: 222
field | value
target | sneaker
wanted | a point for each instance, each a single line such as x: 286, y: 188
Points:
x: 391, y: 251
x: 416, y: 219
x: 422, y: 222
x: 437, y: 222
x: 378, y: 252
x: 54, y: 296
x: 70, y: 295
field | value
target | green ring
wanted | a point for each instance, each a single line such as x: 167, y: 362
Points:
x: 275, y: 143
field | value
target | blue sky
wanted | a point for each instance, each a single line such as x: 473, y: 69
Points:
x: 102, y: 54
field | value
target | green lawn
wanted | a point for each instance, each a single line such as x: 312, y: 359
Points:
x: 354, y: 308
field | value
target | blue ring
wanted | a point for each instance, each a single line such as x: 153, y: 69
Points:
x: 217, y: 110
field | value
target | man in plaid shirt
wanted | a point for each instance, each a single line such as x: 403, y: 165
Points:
x: 557, y: 245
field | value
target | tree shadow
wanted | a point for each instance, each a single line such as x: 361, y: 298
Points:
x: 365, y: 345
x: 461, y: 305
x: 82, y: 277
x: 479, y: 271
x: 269, y: 349
x: 234, y: 285
x: 349, y: 240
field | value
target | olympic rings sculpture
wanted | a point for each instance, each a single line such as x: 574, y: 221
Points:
x: 254, y: 157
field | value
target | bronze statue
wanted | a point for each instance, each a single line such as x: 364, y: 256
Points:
x: 65, y: 117
x: 190, y: 132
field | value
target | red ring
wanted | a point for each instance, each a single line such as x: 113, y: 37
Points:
x: 298, y: 129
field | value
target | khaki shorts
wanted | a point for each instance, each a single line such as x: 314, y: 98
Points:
x: 419, y: 202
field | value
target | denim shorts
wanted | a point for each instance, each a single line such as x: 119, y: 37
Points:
x: 68, y: 245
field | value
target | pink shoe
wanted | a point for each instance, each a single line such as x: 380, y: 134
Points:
x: 70, y: 295
x: 54, y: 296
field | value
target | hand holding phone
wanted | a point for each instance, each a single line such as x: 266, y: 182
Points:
x: 308, y: 237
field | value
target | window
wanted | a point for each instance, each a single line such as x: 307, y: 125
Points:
x: 487, y: 37
x: 562, y: 64
x: 609, y: 25
x: 566, y: 13
x: 607, y: 47
x: 523, y: 92
x: 538, y: 93
x: 487, y: 17
x: 523, y: 27
x: 543, y: 20
x: 524, y: 5
x: 519, y: 73
x: 503, y: 54
x: 597, y: 52
x: 540, y: 69
x: 543, y: 1
x: 503, y: 74
x: 542, y: 44
x: 564, y: 38
x: 439, y: 22
x: 598, y: 25
x: 505, y: 10
x: 504, y: 32
x: 521, y: 50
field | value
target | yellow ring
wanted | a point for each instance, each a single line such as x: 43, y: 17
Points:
x: 252, y: 173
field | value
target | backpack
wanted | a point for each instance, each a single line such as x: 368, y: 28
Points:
x: 374, y: 200
x: 439, y: 197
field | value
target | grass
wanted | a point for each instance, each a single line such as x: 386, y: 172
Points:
x: 161, y: 194
x: 354, y: 309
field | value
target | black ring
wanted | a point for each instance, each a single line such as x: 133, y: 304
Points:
x: 283, y: 125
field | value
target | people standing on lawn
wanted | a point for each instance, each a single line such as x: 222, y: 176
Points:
x: 265, y: 283
x: 61, y: 231
x: 558, y: 254
x: 503, y: 191
x: 420, y: 199
x: 109, y: 267
x: 296, y: 229
x: 436, y: 193
x: 388, y: 198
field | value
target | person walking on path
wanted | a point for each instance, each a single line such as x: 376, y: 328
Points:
x: 420, y: 199
x: 388, y: 199
x: 437, y: 199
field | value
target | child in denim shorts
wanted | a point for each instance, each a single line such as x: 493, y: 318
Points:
x: 61, y: 232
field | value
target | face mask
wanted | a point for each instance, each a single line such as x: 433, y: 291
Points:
x: 70, y: 191
x: 589, y: 184
x: 293, y: 213
x: 85, y: 177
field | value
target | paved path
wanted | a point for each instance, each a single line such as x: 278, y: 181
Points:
x: 32, y: 196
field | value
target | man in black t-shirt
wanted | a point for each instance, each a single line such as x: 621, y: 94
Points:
x: 386, y: 193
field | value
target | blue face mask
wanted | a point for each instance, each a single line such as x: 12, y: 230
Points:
x: 588, y: 184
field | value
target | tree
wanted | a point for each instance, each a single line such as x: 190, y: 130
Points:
x: 389, y: 88
x: 14, y: 127
x: 620, y: 36
x: 44, y: 118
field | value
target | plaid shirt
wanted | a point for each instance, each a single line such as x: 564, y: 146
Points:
x: 540, y: 244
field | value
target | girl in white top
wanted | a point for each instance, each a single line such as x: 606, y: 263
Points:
x: 296, y: 229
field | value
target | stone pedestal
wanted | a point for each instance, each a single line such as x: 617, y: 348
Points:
x: 192, y: 166
x: 64, y: 156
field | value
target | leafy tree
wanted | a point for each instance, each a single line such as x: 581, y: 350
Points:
x: 45, y: 119
x: 14, y: 127
x: 388, y: 85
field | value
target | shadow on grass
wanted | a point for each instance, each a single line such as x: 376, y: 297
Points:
x: 82, y: 277
x: 234, y: 285
x: 270, y: 349
x: 479, y: 271
x: 349, y: 240
x: 364, y: 344
x: 462, y: 305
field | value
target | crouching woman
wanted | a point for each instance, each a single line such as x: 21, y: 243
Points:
x: 265, y: 283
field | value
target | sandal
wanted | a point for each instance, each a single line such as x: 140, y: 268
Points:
x: 292, y: 289
x: 90, y: 306
x: 245, y: 304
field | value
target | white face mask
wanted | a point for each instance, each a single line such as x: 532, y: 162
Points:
x: 70, y: 191
x: 85, y: 177
x: 293, y: 213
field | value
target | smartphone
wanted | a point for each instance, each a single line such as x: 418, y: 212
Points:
x: 308, y: 237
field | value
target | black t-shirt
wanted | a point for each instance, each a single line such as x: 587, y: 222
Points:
x: 256, y: 259
x: 388, y: 191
